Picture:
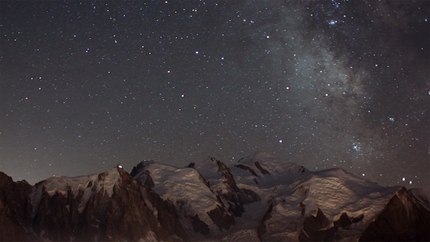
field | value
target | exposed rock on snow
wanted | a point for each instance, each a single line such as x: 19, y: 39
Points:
x: 317, y: 228
x: 107, y: 206
x: 262, y: 197
x: 227, y: 188
x: 142, y: 175
x: 199, y: 208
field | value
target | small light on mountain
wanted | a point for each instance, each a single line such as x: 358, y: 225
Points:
x: 119, y: 166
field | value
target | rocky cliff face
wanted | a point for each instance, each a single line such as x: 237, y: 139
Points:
x: 110, y: 206
x: 226, y: 190
x: 260, y: 198
x: 13, y: 209
x: 404, y: 218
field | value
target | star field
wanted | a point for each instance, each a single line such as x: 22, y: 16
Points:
x: 87, y: 85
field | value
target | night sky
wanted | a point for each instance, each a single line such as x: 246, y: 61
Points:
x: 87, y: 85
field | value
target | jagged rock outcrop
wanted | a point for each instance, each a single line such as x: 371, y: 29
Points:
x: 247, y: 168
x: 13, y: 209
x: 343, y: 222
x: 166, y: 214
x: 110, y: 206
x: 199, y: 226
x: 235, y: 197
x: 262, y: 170
x: 320, y: 228
x: 315, y: 228
x: 142, y: 176
x: 261, y: 230
x: 403, y: 219
x: 277, y: 201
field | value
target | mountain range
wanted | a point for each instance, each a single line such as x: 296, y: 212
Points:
x: 259, y: 198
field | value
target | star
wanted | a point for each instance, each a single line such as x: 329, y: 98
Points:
x: 89, y: 85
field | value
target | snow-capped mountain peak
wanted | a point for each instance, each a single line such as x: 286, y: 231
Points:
x: 82, y: 186
x: 261, y: 197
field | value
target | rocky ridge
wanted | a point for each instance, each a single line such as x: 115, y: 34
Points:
x: 259, y: 198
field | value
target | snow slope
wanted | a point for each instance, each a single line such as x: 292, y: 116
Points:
x: 289, y: 194
x: 261, y: 197
x: 334, y: 192
x: 186, y: 189
x: 85, y: 185
x: 180, y: 184
x: 293, y: 193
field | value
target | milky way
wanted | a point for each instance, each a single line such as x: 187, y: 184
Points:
x: 88, y: 85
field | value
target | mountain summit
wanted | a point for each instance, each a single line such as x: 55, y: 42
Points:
x: 261, y: 197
